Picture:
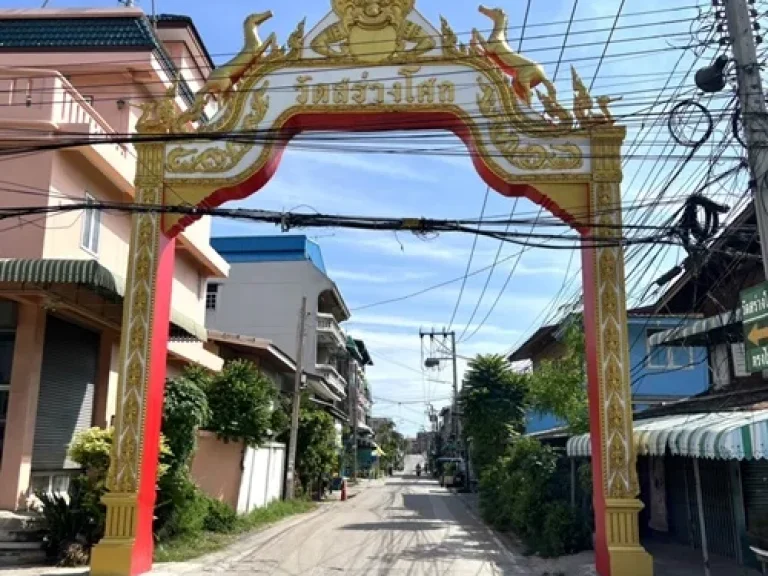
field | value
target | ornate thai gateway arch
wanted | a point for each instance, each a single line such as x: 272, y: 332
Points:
x: 377, y: 65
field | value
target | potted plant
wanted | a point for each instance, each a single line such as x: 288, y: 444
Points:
x: 758, y: 538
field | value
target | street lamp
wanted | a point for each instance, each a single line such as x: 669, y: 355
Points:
x: 434, y: 362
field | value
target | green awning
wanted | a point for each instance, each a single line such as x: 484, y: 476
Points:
x: 735, y: 435
x: 82, y: 273
x: 698, y: 333
x: 352, y: 349
x: 58, y: 271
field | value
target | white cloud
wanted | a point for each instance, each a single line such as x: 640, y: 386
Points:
x: 378, y: 165
x: 415, y: 323
x: 394, y: 275
x: 445, y: 248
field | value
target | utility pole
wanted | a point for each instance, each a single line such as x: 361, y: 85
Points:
x: 430, y: 362
x: 455, y: 407
x: 753, y: 110
x: 355, y: 392
x: 295, y: 407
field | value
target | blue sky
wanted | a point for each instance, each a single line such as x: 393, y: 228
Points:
x: 371, y: 267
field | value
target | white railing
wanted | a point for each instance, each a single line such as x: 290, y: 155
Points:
x: 334, y: 379
x: 327, y: 324
x: 38, y: 95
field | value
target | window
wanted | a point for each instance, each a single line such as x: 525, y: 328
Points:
x: 91, y: 224
x: 667, y: 357
x: 211, y: 296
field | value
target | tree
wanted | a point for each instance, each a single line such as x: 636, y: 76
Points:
x: 558, y: 386
x: 185, y: 409
x: 493, y: 405
x: 392, y: 444
x: 241, y: 400
x: 316, y: 446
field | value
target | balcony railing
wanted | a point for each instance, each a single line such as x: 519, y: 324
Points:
x: 334, y: 379
x: 45, y: 98
x: 328, y: 330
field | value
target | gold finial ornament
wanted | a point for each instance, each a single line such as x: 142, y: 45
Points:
x: 582, y: 100
x: 583, y: 104
x: 158, y: 116
x: 295, y: 42
x: 553, y: 108
x: 603, y: 102
x: 373, y: 31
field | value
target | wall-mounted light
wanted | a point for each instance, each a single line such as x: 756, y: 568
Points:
x: 120, y: 104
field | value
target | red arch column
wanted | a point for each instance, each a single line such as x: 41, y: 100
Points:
x: 127, y: 546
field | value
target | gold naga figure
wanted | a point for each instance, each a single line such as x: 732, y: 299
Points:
x: 527, y: 73
x: 372, y: 31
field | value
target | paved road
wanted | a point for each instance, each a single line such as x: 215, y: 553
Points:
x: 405, y: 526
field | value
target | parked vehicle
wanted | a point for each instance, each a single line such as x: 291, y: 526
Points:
x: 450, y: 471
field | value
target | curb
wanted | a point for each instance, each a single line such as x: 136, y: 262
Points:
x: 511, y: 556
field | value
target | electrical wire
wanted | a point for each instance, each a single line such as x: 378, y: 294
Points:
x: 607, y: 43
x: 471, y: 256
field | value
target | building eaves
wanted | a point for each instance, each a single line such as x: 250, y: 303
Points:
x: 180, y: 20
x: 82, y: 33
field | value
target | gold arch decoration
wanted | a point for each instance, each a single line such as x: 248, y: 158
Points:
x: 377, y: 65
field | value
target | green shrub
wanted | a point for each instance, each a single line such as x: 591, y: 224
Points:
x: 564, y: 531
x: 91, y: 448
x: 524, y: 491
x: 184, y: 411
x: 241, y: 398
x: 181, y: 508
x: 220, y: 517
x: 73, y: 524
x: 494, y: 500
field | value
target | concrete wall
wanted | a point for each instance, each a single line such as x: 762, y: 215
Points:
x: 245, y: 478
x: 216, y: 468
x: 72, y: 177
x: 31, y: 177
x: 263, y: 299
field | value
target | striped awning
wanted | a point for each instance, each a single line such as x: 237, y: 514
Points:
x: 82, y: 272
x: 58, y: 271
x: 741, y: 435
x: 364, y: 428
x: 695, y: 332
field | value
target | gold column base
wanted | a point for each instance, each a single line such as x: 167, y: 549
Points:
x: 627, y: 556
x: 113, y: 555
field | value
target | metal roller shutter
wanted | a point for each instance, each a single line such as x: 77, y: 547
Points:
x: 722, y: 536
x: 754, y: 474
x: 678, y: 499
x: 65, y: 403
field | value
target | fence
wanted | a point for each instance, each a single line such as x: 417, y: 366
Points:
x: 243, y: 477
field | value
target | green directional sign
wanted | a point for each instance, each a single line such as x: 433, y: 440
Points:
x: 754, y: 310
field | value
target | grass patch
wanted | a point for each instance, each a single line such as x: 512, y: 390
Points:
x: 192, y: 546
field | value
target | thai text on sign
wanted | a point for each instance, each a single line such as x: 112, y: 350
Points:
x: 364, y: 92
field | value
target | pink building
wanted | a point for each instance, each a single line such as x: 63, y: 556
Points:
x: 79, y: 73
